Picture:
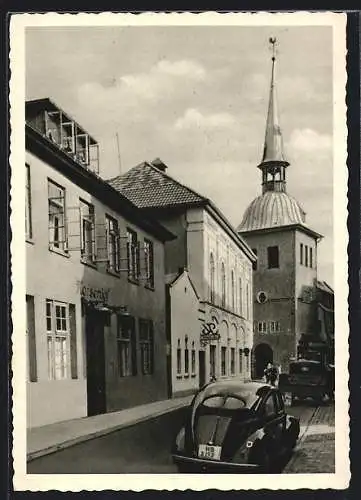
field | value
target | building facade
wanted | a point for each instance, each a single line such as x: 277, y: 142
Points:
x: 219, y: 265
x: 95, y: 289
x: 274, y: 225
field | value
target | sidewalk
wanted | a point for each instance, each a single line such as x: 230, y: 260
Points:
x: 51, y: 438
x: 315, y: 452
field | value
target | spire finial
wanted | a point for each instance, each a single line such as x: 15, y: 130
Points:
x: 273, y: 162
x: 273, y: 41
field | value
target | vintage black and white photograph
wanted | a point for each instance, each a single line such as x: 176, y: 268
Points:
x: 181, y: 288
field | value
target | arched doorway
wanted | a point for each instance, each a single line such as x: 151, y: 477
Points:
x: 263, y: 354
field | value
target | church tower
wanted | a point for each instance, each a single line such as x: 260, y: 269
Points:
x: 274, y: 225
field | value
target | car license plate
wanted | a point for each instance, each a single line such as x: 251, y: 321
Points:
x: 208, y: 451
x: 287, y: 397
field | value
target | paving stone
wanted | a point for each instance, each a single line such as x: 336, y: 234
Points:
x: 315, y: 452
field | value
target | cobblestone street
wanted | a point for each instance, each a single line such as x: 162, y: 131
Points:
x: 315, y: 452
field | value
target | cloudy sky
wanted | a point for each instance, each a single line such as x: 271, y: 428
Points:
x: 197, y: 98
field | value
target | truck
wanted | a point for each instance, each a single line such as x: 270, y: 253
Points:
x: 310, y: 375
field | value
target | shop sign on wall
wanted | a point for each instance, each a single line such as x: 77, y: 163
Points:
x: 93, y: 294
x: 209, y: 332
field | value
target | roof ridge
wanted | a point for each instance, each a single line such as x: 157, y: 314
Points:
x: 164, y: 174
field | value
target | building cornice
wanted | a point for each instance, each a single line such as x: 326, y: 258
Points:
x: 223, y: 222
x: 299, y: 227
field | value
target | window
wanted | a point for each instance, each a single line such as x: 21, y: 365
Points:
x: 254, y: 265
x: 146, y: 341
x: 149, y: 263
x: 311, y: 258
x: 87, y: 224
x: 240, y: 297
x: 133, y: 255
x: 28, y: 219
x: 306, y: 255
x: 57, y: 221
x: 262, y: 327
x: 301, y: 254
x: 112, y: 244
x: 247, y: 363
x: 232, y: 290
x: 186, y: 358
x: 233, y: 356
x: 223, y: 360
x: 247, y: 302
x: 127, y: 362
x: 58, y: 340
x: 211, y: 278
x: 274, y: 326
x: 179, y: 359
x: 212, y: 359
x: 223, y: 285
x: 240, y: 359
x: 273, y: 257
x: 193, y: 361
x: 30, y: 332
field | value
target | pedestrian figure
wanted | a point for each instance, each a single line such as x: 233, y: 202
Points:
x: 267, y: 373
x: 273, y: 375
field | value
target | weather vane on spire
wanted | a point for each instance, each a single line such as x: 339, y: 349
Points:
x: 273, y: 41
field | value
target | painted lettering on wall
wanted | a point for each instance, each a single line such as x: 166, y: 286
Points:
x: 93, y: 294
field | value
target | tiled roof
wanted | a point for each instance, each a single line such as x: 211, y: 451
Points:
x: 148, y: 187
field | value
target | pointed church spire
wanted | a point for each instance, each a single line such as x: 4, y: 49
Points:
x: 273, y: 160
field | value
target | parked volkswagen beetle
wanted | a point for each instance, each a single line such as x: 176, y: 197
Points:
x: 234, y: 426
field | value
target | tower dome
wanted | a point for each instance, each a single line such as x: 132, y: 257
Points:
x: 272, y: 209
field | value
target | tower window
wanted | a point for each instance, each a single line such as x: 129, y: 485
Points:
x: 301, y: 254
x: 273, y: 257
x: 306, y: 255
x: 254, y: 265
x: 311, y: 258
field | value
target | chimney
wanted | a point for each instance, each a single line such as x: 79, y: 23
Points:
x: 157, y: 163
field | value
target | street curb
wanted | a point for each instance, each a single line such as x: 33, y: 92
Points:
x: 99, y: 433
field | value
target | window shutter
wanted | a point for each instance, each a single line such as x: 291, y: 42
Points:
x: 133, y: 341
x: 137, y: 258
x: 73, y: 347
x: 117, y: 252
x: 151, y: 340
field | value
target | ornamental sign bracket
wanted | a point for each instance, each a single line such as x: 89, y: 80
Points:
x: 209, y: 333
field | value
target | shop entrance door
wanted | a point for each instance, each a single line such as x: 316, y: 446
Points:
x: 202, y: 368
x: 95, y: 362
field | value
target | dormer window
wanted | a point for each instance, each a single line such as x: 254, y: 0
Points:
x: 59, y: 128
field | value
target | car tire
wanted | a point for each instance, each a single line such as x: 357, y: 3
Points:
x: 265, y: 463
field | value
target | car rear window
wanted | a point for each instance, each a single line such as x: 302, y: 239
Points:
x: 306, y: 368
x: 226, y: 402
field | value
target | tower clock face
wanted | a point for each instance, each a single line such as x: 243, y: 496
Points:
x: 262, y: 297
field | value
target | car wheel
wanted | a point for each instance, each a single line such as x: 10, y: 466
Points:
x: 266, y: 464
